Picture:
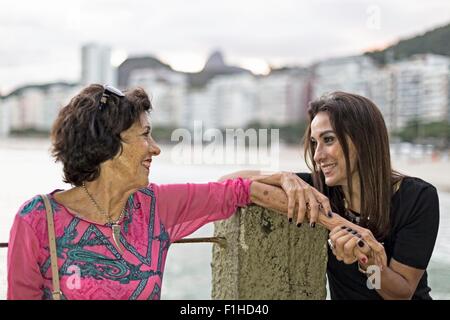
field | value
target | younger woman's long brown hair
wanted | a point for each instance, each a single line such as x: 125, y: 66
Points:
x: 359, y: 119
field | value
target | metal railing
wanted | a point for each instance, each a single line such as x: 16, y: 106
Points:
x: 222, y: 242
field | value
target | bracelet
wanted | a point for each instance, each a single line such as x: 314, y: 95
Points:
x: 360, y: 269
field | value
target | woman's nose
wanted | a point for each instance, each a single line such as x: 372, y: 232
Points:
x: 318, y: 154
x: 154, y: 148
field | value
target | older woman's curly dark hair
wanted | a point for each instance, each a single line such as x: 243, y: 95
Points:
x: 84, y: 135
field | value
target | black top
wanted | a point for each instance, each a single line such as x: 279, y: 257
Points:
x: 414, y: 228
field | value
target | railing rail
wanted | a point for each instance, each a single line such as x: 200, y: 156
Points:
x: 221, y: 241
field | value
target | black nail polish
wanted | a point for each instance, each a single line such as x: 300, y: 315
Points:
x: 360, y: 243
x: 330, y: 214
x: 313, y: 225
x: 349, y: 229
x: 358, y: 235
x: 290, y: 220
x: 299, y: 225
x: 343, y: 227
x: 354, y: 232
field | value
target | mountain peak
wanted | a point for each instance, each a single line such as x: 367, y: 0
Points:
x: 215, y: 61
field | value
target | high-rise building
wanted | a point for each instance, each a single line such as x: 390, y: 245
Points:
x: 282, y: 97
x: 167, y: 90
x: 350, y: 74
x: 35, y: 107
x: 5, y: 118
x: 383, y: 94
x: 96, y: 65
x: 232, y: 100
x: 422, y: 88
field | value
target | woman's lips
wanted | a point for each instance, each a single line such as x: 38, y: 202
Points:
x: 146, y: 164
x: 327, y: 169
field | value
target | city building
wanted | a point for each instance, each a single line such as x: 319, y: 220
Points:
x: 167, y: 90
x: 233, y: 100
x: 35, y: 107
x: 5, y: 118
x: 421, y: 88
x: 96, y: 65
x: 350, y: 74
x: 282, y: 97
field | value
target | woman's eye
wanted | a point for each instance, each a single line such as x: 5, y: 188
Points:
x: 146, y: 134
x: 328, y: 139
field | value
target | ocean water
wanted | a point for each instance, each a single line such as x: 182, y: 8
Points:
x: 26, y: 169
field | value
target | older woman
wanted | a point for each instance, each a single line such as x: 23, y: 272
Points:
x: 113, y: 228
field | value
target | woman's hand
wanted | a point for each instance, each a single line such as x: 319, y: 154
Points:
x: 308, y: 200
x: 350, y: 244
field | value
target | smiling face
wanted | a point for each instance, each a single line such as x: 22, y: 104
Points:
x: 133, y: 164
x: 328, y: 152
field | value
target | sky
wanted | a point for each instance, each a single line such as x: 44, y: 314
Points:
x: 40, y: 41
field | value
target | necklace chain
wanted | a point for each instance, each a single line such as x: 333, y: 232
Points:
x: 347, y: 210
x: 100, y: 210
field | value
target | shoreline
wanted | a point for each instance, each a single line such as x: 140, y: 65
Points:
x: 429, y: 168
x: 27, y: 163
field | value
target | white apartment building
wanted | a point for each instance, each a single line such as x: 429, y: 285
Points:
x: 96, y: 65
x: 282, y: 96
x: 422, y: 88
x: 351, y: 74
x: 36, y: 107
x: 382, y: 93
x: 5, y: 118
x: 167, y: 90
x: 232, y: 100
x: 199, y: 107
x: 26, y: 108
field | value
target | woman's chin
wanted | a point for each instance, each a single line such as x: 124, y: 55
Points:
x: 335, y: 181
x: 143, y: 182
x: 330, y: 182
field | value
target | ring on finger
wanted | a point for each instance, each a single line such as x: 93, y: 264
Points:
x: 330, y: 243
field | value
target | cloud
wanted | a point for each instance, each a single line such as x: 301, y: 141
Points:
x: 42, y: 34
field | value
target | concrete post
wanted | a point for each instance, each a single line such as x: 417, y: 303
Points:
x: 268, y: 258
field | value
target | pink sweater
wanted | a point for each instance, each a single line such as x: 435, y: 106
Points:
x: 90, y: 266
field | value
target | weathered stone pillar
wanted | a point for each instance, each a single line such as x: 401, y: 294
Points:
x: 268, y: 258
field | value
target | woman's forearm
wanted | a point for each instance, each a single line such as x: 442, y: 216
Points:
x: 273, y: 179
x: 397, y: 281
x: 275, y: 198
x: 268, y: 196
x: 266, y: 193
x: 392, y: 286
x: 246, y: 174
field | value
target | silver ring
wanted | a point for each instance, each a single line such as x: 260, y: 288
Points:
x: 330, y: 243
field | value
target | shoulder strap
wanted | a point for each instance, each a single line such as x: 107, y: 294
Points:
x: 56, y: 293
